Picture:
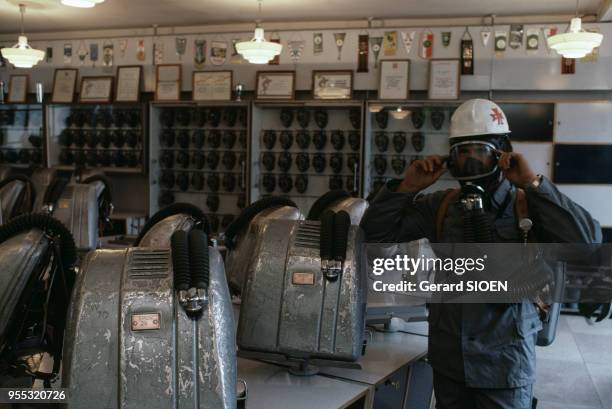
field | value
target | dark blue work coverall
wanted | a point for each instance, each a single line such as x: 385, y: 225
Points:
x: 483, y: 356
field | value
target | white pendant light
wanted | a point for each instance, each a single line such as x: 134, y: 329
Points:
x: 375, y: 108
x: 575, y: 43
x: 21, y: 55
x: 400, y: 113
x: 258, y: 50
x: 82, y: 3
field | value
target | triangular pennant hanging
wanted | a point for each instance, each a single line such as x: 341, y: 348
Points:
x: 427, y: 41
x: 296, y: 49
x: 485, y: 35
x: 408, y: 39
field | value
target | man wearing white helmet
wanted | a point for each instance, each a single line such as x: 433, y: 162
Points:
x: 483, y: 355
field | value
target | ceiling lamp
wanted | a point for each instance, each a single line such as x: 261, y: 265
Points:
x: 400, y: 113
x: 21, y: 55
x: 86, y: 4
x: 375, y: 108
x: 258, y: 50
x: 575, y: 43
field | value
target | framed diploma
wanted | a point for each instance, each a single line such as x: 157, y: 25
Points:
x: 212, y: 85
x: 444, y: 79
x: 64, y: 85
x: 128, y: 83
x: 332, y: 84
x: 18, y: 89
x: 275, y: 85
x: 394, y: 81
x: 96, y: 90
x: 168, y: 82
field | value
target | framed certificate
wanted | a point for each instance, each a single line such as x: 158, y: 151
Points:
x: 275, y: 85
x: 18, y: 89
x: 128, y: 83
x: 64, y: 85
x: 394, y: 81
x: 212, y: 85
x: 332, y: 84
x: 168, y: 82
x: 444, y: 79
x: 96, y: 90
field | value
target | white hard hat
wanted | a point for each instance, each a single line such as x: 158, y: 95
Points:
x: 478, y: 117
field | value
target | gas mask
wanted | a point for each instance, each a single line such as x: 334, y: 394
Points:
x: 301, y: 183
x: 380, y: 164
x: 182, y: 158
x: 472, y: 160
x: 269, y: 138
x: 321, y: 118
x: 381, y: 140
x: 197, y: 181
x: 182, y: 180
x: 229, y: 139
x: 335, y: 162
x: 303, y: 117
x: 399, y: 141
x: 319, y: 139
x: 354, y: 140
x: 229, y: 117
x: 214, y: 139
x: 337, y: 139
x: 131, y: 138
x: 418, y: 118
x: 132, y: 159
x: 183, y: 139
x: 214, y: 117
x: 229, y: 182
x: 355, y: 117
x: 198, y: 159
x: 335, y: 182
x: 269, y: 183
x: 166, y: 117
x: 268, y: 161
x: 213, y: 160
x: 284, y: 161
x: 382, y: 119
x: 286, y: 139
x: 91, y: 158
x: 285, y: 183
x: 398, y: 164
x: 318, y: 163
x: 213, y: 182
x: 302, y: 138
x: 302, y: 161
x: 418, y: 141
x: 437, y: 119
x: 183, y: 117
x: 286, y: 117
x: 229, y: 160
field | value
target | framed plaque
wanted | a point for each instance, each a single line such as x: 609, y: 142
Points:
x: 212, y: 85
x: 96, y: 89
x: 394, y: 81
x: 18, y: 89
x: 64, y: 85
x: 128, y: 83
x: 444, y: 79
x: 168, y: 82
x: 332, y: 84
x: 275, y: 85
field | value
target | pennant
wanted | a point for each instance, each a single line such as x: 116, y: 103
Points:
x: 548, y: 32
x: 516, y: 36
x: 218, y: 52
x: 296, y: 49
x: 593, y: 56
x: 49, y: 55
x: 123, y: 44
x: 467, y: 53
x: 339, y: 38
x: 317, y: 43
x: 501, y: 40
x: 158, y: 52
x: 446, y: 38
x: 199, y: 55
x: 140, y: 50
x: 82, y: 52
x: 427, y: 39
x: 568, y: 65
x: 376, y: 43
x: 532, y: 42
x: 363, y: 53
x: 236, y: 58
x: 485, y: 35
x: 276, y: 59
x: 67, y: 53
x: 107, y: 54
x: 180, y: 45
x: 408, y: 39
x: 93, y: 53
x: 390, y: 43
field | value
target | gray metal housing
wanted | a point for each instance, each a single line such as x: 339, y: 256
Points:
x: 354, y: 206
x: 159, y: 235
x: 129, y: 344
x: 19, y: 257
x: 290, y: 308
x: 8, y: 198
x: 237, y: 260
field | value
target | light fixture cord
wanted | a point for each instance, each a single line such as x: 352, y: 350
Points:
x: 258, y: 21
x: 576, y: 13
x: 22, y: 12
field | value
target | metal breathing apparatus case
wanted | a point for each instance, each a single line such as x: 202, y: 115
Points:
x: 304, y: 294
x: 237, y: 260
x: 151, y: 344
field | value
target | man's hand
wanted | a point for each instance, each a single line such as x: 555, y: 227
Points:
x: 516, y: 169
x: 423, y: 173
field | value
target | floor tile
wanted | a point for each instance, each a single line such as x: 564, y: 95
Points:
x: 566, y: 383
x: 601, y: 374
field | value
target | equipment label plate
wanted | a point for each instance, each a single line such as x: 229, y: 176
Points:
x: 303, y: 278
x: 142, y: 322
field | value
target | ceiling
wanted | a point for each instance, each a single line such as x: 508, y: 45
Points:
x: 50, y: 15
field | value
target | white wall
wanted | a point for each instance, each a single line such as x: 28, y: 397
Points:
x: 514, y: 70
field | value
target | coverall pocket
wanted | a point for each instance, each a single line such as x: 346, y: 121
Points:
x: 528, y: 326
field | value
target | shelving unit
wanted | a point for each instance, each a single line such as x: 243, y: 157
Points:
x: 22, y: 135
x: 302, y: 149
x: 200, y: 155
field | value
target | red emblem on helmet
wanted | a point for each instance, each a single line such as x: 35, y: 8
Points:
x: 497, y: 115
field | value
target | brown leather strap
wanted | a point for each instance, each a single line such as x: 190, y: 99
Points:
x: 449, y: 198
